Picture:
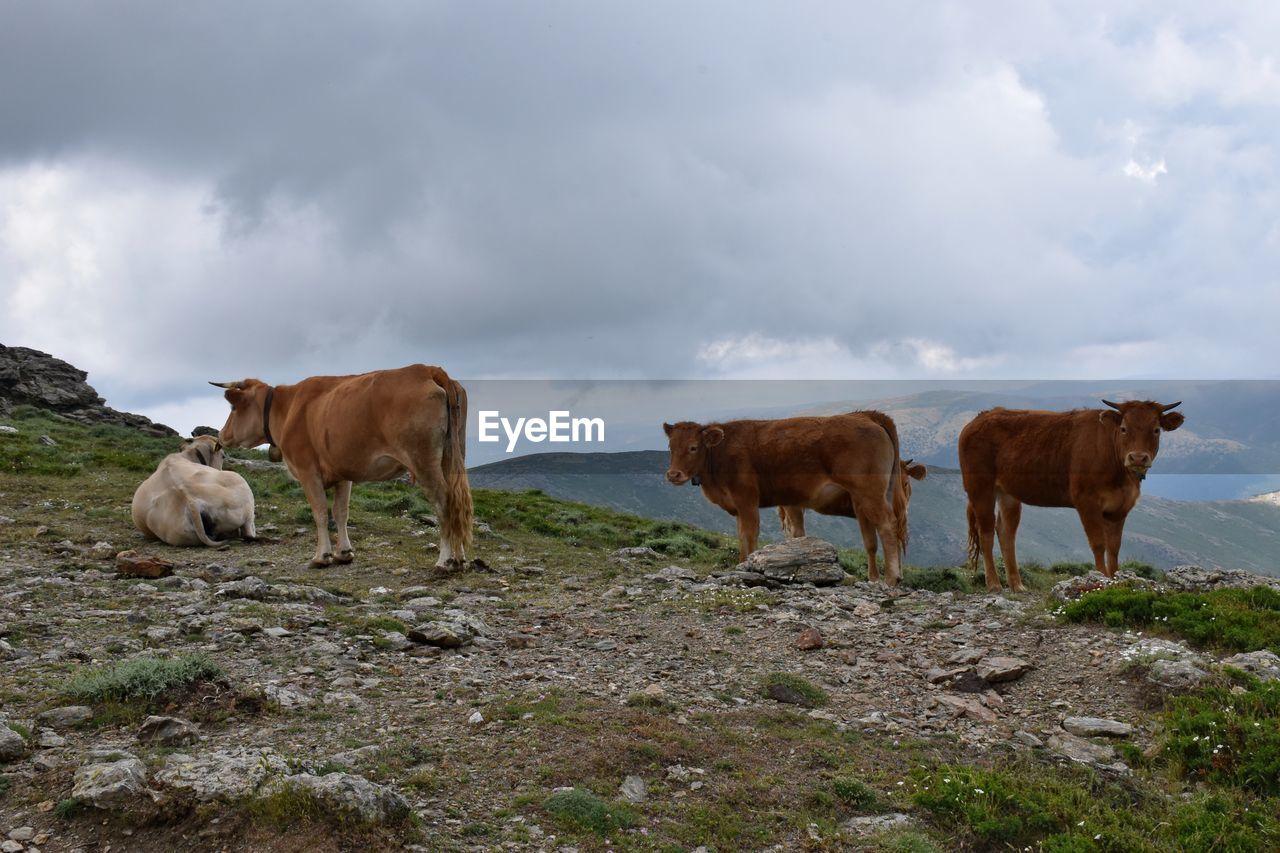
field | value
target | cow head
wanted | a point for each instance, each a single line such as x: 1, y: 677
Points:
x: 1137, y: 425
x: 689, y: 443
x: 204, y: 450
x: 910, y: 472
x: 244, y: 425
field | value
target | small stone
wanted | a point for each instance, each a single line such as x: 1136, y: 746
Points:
x: 634, y: 789
x: 10, y: 846
x: 476, y: 718
x: 961, y: 706
x: 654, y: 691
x: 606, y: 645
x: 22, y: 833
x: 809, y: 639
x: 938, y: 675
x: 277, y: 632
x: 12, y: 745
x: 1096, y: 727
x: 1028, y: 739
x: 49, y: 739
x: 796, y: 561
x: 113, y: 785
x: 47, y: 441
x: 1176, y: 674
x: 1264, y: 664
x: 65, y: 717
x: 130, y: 565
x: 967, y: 656
x: 168, y: 731
x: 996, y: 670
x: 1081, y: 750
x: 872, y: 825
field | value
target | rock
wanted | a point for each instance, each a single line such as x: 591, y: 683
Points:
x: 1154, y: 648
x: 395, y: 641
x: 809, y: 639
x: 1072, y: 588
x: 1096, y: 727
x: 251, y: 587
x: 476, y: 718
x: 672, y: 573
x: 47, y: 441
x: 113, y: 785
x: 130, y: 565
x: 204, y: 430
x: 1197, y: 579
x: 22, y: 833
x: 869, y: 825
x: 350, y: 795
x: 1028, y: 739
x: 967, y: 656
x: 634, y: 789
x: 938, y: 675
x: 49, y: 739
x: 288, y: 697
x: 962, y: 706
x: 102, y: 551
x: 804, y: 560
x: 13, y: 746
x: 1176, y: 674
x: 439, y: 634
x: 357, y: 756
x: 168, y: 731
x: 1264, y: 664
x: 996, y: 670
x: 65, y: 717
x: 218, y: 573
x: 222, y: 774
x: 11, y: 846
x: 639, y: 552
x: 8, y: 430
x: 38, y: 379
x: 780, y: 692
x: 1081, y: 750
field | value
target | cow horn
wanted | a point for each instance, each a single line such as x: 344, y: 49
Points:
x: 223, y: 384
x: 908, y: 462
x: 1171, y: 406
x: 1115, y: 406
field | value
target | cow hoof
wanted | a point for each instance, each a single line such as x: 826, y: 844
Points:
x: 995, y: 589
x: 345, y: 557
x: 321, y: 561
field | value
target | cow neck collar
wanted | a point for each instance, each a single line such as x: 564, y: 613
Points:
x: 266, y: 415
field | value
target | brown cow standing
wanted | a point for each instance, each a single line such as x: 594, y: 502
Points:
x: 1090, y: 459
x: 334, y: 431
x: 792, y: 517
x: 806, y: 462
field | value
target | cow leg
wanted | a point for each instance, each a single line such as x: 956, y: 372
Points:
x: 1114, y: 530
x: 984, y: 511
x: 436, y: 490
x: 748, y: 528
x: 879, y: 515
x: 247, y: 531
x: 1007, y: 530
x: 313, y: 488
x: 1095, y: 527
x: 341, y: 511
x: 869, y: 542
x: 792, y: 518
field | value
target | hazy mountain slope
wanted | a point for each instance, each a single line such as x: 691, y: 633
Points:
x: 1240, y: 534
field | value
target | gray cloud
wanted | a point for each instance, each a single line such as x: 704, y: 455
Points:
x: 644, y: 190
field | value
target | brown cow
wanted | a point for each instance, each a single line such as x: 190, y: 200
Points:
x: 333, y: 431
x: 792, y: 517
x: 807, y: 462
x: 1090, y: 459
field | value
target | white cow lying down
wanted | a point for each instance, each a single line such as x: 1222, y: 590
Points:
x: 190, y: 500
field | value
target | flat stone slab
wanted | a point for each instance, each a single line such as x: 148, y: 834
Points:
x: 112, y: 785
x: 804, y: 560
x: 1096, y: 727
x: 996, y: 670
x: 221, y: 774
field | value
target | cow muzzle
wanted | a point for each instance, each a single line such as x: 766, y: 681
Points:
x: 677, y: 478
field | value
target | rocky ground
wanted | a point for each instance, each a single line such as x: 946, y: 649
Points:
x: 465, y: 701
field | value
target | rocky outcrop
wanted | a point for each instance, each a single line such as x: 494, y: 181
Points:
x: 33, y: 378
x: 792, y: 561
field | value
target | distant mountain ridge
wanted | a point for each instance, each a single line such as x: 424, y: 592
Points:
x: 1234, y: 534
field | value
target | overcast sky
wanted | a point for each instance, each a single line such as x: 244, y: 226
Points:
x: 193, y: 191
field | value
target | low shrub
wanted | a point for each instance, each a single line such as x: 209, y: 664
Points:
x: 1241, y: 620
x: 141, y: 678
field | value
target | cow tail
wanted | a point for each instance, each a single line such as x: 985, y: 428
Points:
x: 974, y: 549
x: 197, y: 522
x: 899, y: 513
x: 457, y: 522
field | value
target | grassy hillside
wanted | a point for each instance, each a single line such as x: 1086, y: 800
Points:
x: 1164, y: 533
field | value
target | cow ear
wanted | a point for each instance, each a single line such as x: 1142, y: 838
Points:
x: 713, y: 435
x: 1170, y: 421
x: 1109, y: 416
x: 667, y: 428
x: 916, y: 471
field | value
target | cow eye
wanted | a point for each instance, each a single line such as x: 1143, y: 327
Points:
x: 693, y: 448
x: 1155, y: 430
x: 1124, y: 428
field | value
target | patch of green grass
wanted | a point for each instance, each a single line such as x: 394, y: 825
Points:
x: 650, y: 703
x: 584, y: 525
x: 936, y: 579
x: 1227, y: 737
x: 582, y: 810
x: 142, y: 678
x: 810, y: 695
x: 68, y: 808
x: 78, y: 448
x: 4, y: 784
x: 1075, y: 809
x: 20, y: 729
x: 1241, y: 620
x: 857, y: 795
x: 727, y: 600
